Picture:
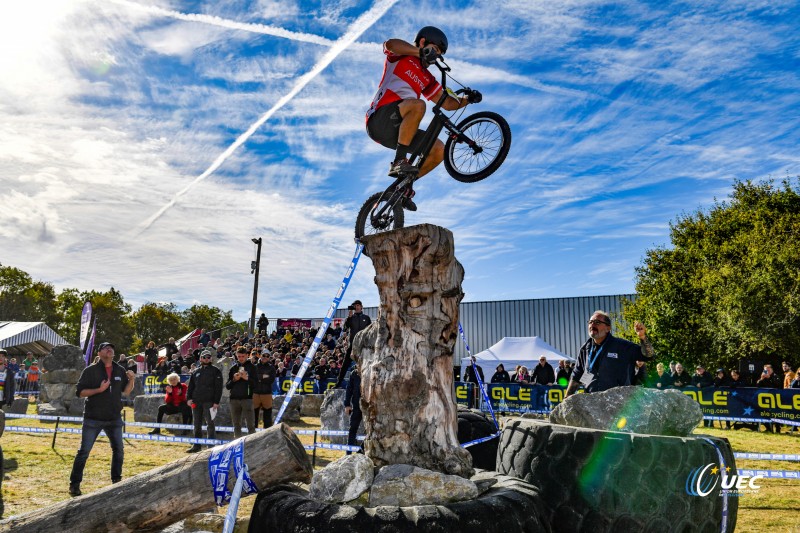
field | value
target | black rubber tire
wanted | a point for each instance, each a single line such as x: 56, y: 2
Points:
x: 509, y: 506
x: 474, y: 127
x: 594, y: 480
x: 363, y: 223
x: 472, y: 426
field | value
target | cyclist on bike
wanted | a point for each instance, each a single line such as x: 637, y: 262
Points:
x: 396, y: 111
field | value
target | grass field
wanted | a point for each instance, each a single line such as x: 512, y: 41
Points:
x: 37, y: 475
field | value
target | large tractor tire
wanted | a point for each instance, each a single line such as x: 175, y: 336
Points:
x: 510, y: 505
x: 473, y: 426
x: 594, y: 480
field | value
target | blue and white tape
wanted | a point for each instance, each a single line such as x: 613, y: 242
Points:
x: 777, y: 474
x: 482, y: 439
x: 768, y: 456
x: 321, y: 331
x: 219, y: 468
x: 486, y: 401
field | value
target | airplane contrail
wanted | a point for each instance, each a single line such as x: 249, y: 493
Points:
x: 494, y: 73
x: 230, y: 24
x: 362, y: 24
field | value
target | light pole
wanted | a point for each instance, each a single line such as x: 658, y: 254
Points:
x: 254, y: 265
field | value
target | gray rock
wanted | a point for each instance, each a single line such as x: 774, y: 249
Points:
x: 292, y: 413
x: 52, y: 409
x: 64, y: 357
x: 212, y: 523
x: 57, y: 392
x: 70, y: 376
x: 19, y: 407
x: 311, y: 405
x: 406, y: 486
x: 332, y: 416
x: 631, y: 410
x: 343, y: 480
x: 145, y: 407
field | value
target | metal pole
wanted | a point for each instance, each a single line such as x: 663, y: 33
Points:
x: 53, y: 445
x: 255, y: 284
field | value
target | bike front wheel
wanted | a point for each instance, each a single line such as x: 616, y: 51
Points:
x: 488, y: 141
x: 377, y: 215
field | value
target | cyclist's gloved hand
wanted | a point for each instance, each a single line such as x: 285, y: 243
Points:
x: 474, y: 97
x: 427, y: 55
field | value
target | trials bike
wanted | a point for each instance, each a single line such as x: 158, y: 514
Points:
x: 475, y: 148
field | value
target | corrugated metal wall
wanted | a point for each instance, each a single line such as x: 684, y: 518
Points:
x: 559, y: 321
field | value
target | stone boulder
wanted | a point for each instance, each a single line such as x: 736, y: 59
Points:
x: 332, y: 416
x: 64, y: 357
x: 292, y: 413
x: 62, y: 369
x: 312, y: 404
x: 57, y: 408
x: 407, y: 485
x: 631, y: 410
x: 343, y: 480
x: 19, y: 407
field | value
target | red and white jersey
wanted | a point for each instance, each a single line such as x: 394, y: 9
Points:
x: 403, y: 77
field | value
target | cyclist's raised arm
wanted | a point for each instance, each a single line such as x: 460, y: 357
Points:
x: 401, y: 48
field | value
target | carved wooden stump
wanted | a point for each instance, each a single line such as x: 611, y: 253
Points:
x: 406, y: 356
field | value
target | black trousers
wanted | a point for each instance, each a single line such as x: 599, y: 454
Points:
x: 355, y: 421
x: 169, y: 409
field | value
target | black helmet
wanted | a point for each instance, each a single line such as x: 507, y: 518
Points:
x: 432, y: 35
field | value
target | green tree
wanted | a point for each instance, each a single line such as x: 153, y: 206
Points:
x: 206, y: 317
x: 25, y: 300
x: 69, y: 304
x: 729, y: 287
x: 114, y: 322
x: 156, y: 322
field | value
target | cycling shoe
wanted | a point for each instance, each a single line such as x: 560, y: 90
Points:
x: 402, y: 168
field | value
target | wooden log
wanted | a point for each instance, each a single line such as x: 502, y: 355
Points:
x: 160, y: 497
x: 406, y: 356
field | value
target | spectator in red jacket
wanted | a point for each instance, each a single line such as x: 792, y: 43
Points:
x: 174, y: 402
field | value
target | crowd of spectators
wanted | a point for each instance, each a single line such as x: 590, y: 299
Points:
x: 285, y: 348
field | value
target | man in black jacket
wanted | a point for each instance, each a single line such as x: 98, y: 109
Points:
x: 605, y: 361
x: 543, y: 373
x: 356, y: 322
x: 241, y: 382
x: 6, y: 381
x: 102, y: 384
x: 204, y: 394
x: 262, y: 393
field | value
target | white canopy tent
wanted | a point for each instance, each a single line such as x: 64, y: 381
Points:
x: 513, y: 351
x: 35, y: 337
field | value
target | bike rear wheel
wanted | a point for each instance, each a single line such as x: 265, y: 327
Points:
x: 491, y: 136
x: 367, y: 223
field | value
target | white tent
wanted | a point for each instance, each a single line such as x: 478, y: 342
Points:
x: 35, y: 337
x: 513, y: 351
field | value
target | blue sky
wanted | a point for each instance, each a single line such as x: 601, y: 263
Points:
x: 144, y: 143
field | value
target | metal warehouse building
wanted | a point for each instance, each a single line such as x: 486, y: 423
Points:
x: 559, y: 321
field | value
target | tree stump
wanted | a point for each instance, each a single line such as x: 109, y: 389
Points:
x: 406, y: 356
x: 155, y: 499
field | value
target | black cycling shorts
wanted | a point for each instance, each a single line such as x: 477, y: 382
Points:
x: 383, y: 126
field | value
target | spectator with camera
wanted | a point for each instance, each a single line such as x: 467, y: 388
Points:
x: 241, y: 382
x: 356, y: 321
